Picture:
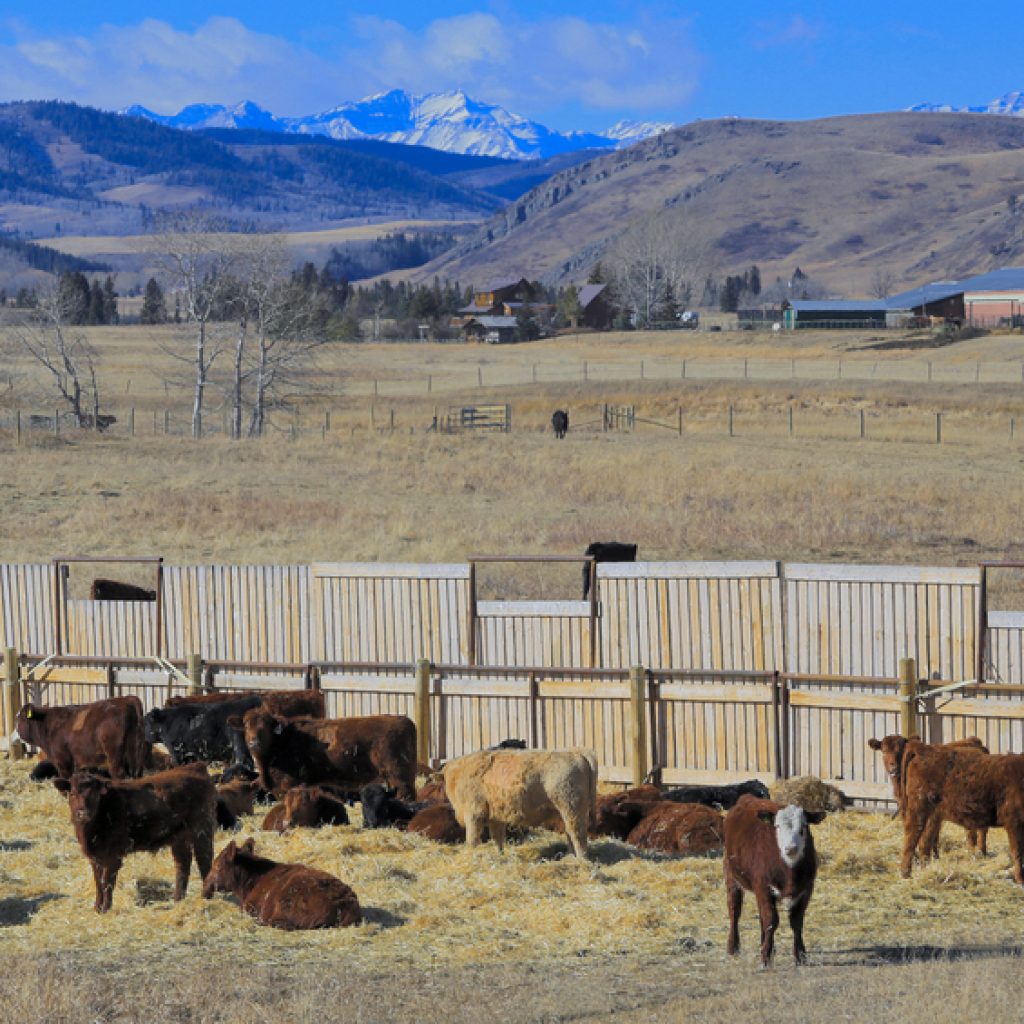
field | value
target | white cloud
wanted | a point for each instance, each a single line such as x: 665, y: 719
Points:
x: 638, y: 66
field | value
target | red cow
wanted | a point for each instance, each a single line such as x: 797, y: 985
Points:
x: 291, y: 896
x: 286, y: 703
x: 349, y: 752
x: 769, y: 851
x: 974, y: 791
x: 107, y: 734
x: 679, y: 828
x: 113, y: 818
x: 438, y: 823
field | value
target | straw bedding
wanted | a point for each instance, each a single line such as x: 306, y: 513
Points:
x: 427, y: 905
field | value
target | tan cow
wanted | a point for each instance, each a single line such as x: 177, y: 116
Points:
x: 494, y: 789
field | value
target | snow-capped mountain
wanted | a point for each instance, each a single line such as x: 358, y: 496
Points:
x: 450, y: 121
x: 1010, y: 104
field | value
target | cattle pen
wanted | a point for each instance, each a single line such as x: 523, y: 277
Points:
x: 680, y: 671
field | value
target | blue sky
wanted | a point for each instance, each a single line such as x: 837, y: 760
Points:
x: 570, y: 65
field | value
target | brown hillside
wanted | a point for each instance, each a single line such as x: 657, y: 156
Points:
x: 921, y: 195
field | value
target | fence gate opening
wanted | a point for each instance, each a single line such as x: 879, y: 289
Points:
x: 619, y: 417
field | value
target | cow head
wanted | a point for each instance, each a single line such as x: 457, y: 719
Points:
x: 892, y: 749
x: 755, y: 787
x: 85, y: 795
x: 260, y: 729
x: 30, y: 724
x: 228, y: 871
x: 792, y: 831
x: 154, y: 724
x: 375, y: 798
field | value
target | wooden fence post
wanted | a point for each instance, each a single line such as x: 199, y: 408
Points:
x: 195, y: 674
x: 12, y: 703
x: 637, y: 695
x: 908, y: 692
x: 17, y: 420
x: 421, y: 711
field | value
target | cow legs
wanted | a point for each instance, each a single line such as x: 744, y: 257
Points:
x: 105, y: 877
x: 769, y: 911
x: 497, y: 830
x: 915, y: 821
x: 797, y: 910
x: 203, y: 849
x: 977, y: 840
x: 474, y: 828
x: 928, y: 848
x: 734, y: 897
x: 1015, y: 835
x: 181, y: 851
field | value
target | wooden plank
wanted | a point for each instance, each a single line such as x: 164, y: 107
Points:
x: 686, y: 570
x: 843, y: 701
x: 398, y: 570
x: 905, y: 574
x: 526, y: 609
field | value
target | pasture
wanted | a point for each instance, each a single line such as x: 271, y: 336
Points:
x: 465, y: 935
x: 631, y: 935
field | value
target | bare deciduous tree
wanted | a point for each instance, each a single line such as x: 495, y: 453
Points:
x: 64, y: 353
x: 882, y: 283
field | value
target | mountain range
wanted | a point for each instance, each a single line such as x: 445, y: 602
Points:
x: 1010, y: 104
x: 449, y: 121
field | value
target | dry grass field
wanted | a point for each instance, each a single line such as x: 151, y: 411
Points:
x: 470, y: 935
x: 466, y: 935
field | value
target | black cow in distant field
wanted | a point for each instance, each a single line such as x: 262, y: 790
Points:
x: 560, y: 422
x: 114, y: 590
x: 606, y: 551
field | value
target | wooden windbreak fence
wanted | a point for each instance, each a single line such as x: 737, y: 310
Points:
x: 692, y: 616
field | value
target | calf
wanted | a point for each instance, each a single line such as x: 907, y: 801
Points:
x: 894, y: 750
x: 617, y: 814
x: 437, y: 822
x: 501, y: 788
x: 678, y: 828
x: 105, y: 734
x: 769, y: 851
x: 234, y: 799
x: 113, y: 818
x: 382, y: 808
x: 974, y: 791
x: 290, y: 896
x: 560, y: 423
x: 722, y: 797
x: 432, y: 792
x: 312, y: 806
x: 606, y: 551
x: 349, y: 752
x: 198, y: 730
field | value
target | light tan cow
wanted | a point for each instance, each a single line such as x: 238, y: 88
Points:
x: 524, y: 788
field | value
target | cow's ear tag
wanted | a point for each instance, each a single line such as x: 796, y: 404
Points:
x: 28, y: 713
x: 278, y: 729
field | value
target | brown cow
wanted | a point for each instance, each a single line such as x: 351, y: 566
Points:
x: 974, y: 791
x: 894, y: 749
x: 291, y: 896
x: 769, y: 851
x: 679, y: 828
x: 349, y: 752
x: 234, y: 799
x: 105, y: 734
x: 437, y: 822
x: 113, y: 818
x: 617, y: 814
x: 432, y: 791
x: 273, y: 820
x: 312, y: 806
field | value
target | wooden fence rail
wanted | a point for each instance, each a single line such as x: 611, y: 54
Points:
x: 670, y: 725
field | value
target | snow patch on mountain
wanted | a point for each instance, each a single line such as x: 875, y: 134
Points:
x: 449, y: 121
x: 1010, y: 104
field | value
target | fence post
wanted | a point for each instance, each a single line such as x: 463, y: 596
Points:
x: 12, y: 703
x: 791, y: 421
x: 679, y: 413
x: 195, y: 674
x: 111, y: 680
x: 908, y: 691
x: 17, y: 420
x: 637, y: 687
x: 421, y: 711
x: 938, y: 428
x: 862, y: 424
x: 730, y: 421
x: 131, y: 421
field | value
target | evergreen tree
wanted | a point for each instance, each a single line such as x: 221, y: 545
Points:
x: 110, y: 301
x: 154, y: 307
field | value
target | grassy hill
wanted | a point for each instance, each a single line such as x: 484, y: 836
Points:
x: 919, y: 196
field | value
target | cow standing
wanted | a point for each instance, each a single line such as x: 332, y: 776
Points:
x: 769, y: 851
x: 560, y: 423
x: 113, y: 818
x: 606, y: 551
x: 106, y: 734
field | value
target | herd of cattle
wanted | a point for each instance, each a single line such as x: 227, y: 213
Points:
x: 125, y: 794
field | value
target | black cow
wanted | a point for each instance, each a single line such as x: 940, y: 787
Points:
x: 382, y: 808
x: 200, y: 731
x: 560, y: 423
x: 723, y: 797
x: 606, y: 551
x: 43, y: 771
x: 114, y: 590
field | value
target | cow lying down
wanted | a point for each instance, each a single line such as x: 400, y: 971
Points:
x: 290, y: 896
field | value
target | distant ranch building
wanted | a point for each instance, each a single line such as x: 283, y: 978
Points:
x: 495, y: 330
x: 986, y: 300
x: 803, y: 313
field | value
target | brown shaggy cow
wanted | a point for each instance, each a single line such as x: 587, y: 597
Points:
x: 349, y: 752
x: 438, y: 822
x: 105, y: 734
x: 975, y: 791
x: 312, y: 806
x: 291, y: 896
x: 894, y: 749
x: 769, y: 851
x: 113, y: 818
x: 679, y: 828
